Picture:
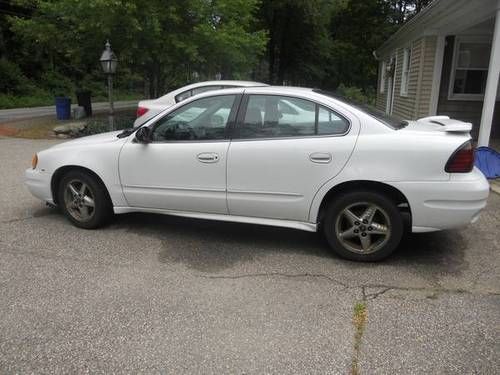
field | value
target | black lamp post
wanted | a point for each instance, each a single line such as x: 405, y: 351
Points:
x: 109, y: 62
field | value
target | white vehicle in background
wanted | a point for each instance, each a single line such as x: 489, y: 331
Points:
x: 147, y: 109
x: 282, y: 156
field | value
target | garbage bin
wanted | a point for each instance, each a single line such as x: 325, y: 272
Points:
x: 83, y: 98
x: 63, y: 108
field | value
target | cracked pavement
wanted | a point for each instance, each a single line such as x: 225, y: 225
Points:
x: 153, y: 293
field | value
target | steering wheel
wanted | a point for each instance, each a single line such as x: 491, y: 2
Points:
x: 183, y: 128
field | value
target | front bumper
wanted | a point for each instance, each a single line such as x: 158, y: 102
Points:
x: 38, y: 183
x: 438, y: 205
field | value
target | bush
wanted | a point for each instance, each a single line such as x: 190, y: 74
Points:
x: 57, y: 84
x: 12, y: 79
x: 356, y: 94
x: 39, y: 98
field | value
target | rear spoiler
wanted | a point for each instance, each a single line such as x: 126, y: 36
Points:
x: 447, y: 124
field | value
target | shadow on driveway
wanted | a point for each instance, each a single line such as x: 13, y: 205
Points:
x: 212, y: 246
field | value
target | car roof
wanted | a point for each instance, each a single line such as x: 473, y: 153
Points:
x: 300, y: 92
x: 217, y: 83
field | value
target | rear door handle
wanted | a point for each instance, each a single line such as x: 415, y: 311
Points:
x: 320, y: 157
x: 208, y: 157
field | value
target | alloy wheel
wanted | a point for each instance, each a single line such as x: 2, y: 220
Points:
x: 79, y: 200
x: 363, y: 228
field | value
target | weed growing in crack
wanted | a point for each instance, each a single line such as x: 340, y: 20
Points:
x: 359, y: 321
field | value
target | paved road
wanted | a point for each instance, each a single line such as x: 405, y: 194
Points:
x: 23, y: 113
x: 160, y: 294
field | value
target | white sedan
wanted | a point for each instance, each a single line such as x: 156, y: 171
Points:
x: 147, y: 109
x: 289, y: 157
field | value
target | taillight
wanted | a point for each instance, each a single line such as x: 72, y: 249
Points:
x: 462, y: 160
x: 141, y: 111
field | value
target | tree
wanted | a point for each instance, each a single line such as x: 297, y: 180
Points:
x: 161, y: 41
x: 357, y: 30
x: 403, y: 10
x: 299, y: 43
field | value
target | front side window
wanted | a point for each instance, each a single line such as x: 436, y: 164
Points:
x: 272, y: 116
x: 470, y: 69
x: 203, y: 119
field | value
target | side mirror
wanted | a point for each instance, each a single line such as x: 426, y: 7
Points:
x: 143, y: 135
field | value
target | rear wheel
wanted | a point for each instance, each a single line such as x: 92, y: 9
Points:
x: 363, y: 226
x: 84, y: 200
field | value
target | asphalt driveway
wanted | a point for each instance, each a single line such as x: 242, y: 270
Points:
x: 152, y: 293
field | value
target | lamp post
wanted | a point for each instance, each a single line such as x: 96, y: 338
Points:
x: 108, y: 63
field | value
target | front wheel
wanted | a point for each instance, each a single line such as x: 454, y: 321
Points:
x: 84, y: 200
x: 363, y: 226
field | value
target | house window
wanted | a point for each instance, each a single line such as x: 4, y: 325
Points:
x: 382, y: 76
x: 470, y: 68
x: 405, y: 74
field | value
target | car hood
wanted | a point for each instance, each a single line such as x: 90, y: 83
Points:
x: 92, y: 139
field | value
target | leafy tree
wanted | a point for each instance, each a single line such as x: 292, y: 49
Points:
x: 52, y: 46
x: 356, y: 31
x: 299, y: 43
x: 158, y: 40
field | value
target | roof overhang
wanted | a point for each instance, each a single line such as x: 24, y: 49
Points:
x: 441, y: 17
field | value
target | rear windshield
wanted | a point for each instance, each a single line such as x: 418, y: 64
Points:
x: 388, y: 120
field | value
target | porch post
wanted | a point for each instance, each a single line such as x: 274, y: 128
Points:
x: 436, y: 77
x: 491, y: 85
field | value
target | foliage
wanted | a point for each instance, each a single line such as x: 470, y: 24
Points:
x: 52, y: 47
x: 158, y: 42
x: 101, y: 125
x: 356, y: 94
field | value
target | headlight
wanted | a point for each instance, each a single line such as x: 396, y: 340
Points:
x: 34, y: 161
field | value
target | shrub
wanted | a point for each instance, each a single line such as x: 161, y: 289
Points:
x: 38, y: 98
x: 12, y: 79
x: 57, y: 84
x: 356, y: 94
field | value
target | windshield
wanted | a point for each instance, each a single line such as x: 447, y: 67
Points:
x: 388, y: 120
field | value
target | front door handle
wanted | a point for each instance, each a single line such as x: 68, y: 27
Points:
x: 208, y: 157
x: 320, y: 157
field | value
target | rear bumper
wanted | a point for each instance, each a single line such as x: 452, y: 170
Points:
x: 446, y: 204
x: 38, y: 183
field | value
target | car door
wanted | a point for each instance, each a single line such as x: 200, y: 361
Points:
x: 278, y: 161
x: 184, y: 167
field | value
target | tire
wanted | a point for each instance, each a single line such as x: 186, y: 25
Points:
x: 84, y: 200
x: 363, y: 226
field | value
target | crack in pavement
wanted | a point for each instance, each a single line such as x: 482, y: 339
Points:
x: 19, y: 219
x: 363, y: 287
x: 372, y: 296
x: 278, y: 274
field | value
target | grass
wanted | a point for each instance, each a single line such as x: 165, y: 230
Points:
x: 8, y: 101
x: 40, y: 131
x: 359, y: 321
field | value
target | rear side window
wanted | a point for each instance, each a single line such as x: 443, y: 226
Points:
x: 330, y: 122
x: 187, y: 94
x: 183, y: 96
x: 273, y: 116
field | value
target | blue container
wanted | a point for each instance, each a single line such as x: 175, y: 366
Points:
x: 63, y: 108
